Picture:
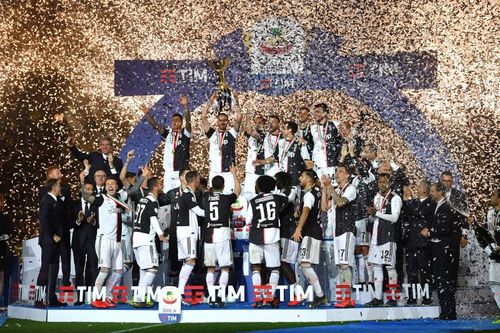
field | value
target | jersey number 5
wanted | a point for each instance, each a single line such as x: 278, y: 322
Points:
x: 214, y: 211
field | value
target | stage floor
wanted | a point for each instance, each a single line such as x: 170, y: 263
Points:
x: 233, y: 313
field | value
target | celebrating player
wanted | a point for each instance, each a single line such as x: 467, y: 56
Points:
x: 344, y: 197
x: 255, y: 152
x: 217, y: 235
x: 326, y: 141
x: 386, y: 210
x: 146, y: 227
x: 222, y: 143
x: 177, y: 140
x: 187, y: 229
x: 263, y: 212
x: 309, y: 231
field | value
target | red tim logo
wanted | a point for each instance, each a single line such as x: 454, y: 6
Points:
x: 120, y: 294
x: 262, y: 294
x: 193, y: 294
x: 66, y: 294
x: 343, y: 291
x: 168, y: 76
x: 392, y: 291
x: 357, y: 71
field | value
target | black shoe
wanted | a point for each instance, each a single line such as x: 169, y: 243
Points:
x: 411, y: 301
x: 391, y: 302
x: 318, y: 301
x: 78, y: 303
x: 374, y: 302
x: 66, y: 283
x: 54, y: 304
x: 427, y: 301
x: 39, y: 304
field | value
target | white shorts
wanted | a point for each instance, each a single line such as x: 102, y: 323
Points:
x: 309, y: 250
x: 228, y: 181
x: 220, y: 253
x: 327, y: 171
x: 186, y: 248
x: 384, y: 254
x: 146, y: 256
x: 249, y: 185
x: 344, y: 249
x: 268, y: 252
x: 127, y: 251
x: 362, y: 237
x: 289, y: 250
x: 171, y: 181
x: 109, y: 253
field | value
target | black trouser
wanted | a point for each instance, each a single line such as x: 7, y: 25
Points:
x: 400, y: 254
x: 47, y: 277
x: 418, y: 263
x: 85, y: 264
x: 65, y: 249
x: 174, y: 265
x: 444, y: 279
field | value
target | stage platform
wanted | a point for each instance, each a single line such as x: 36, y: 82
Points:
x: 233, y: 313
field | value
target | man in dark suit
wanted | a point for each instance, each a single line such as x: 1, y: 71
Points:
x: 444, y: 235
x: 419, y: 213
x: 51, y: 229
x: 83, y: 242
x: 99, y: 160
x: 66, y: 203
x: 458, y: 202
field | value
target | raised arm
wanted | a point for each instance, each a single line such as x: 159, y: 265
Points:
x: 79, y: 155
x: 204, y: 113
x: 123, y: 172
x: 325, y: 193
x: 237, y: 185
x: 152, y: 121
x: 237, y: 113
x: 187, y: 114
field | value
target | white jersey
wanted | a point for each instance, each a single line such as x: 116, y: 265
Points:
x: 380, y: 203
x: 320, y: 137
x: 221, y: 149
x: 110, y: 216
x: 254, y: 150
x: 271, y: 142
x: 174, y: 140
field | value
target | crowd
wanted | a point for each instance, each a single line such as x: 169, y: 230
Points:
x: 304, y: 182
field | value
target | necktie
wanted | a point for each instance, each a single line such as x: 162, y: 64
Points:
x: 87, y: 209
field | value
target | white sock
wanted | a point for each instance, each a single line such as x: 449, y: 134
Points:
x: 223, y: 281
x: 378, y: 275
x: 274, y: 280
x: 100, y: 280
x: 141, y: 273
x: 209, y: 278
x: 369, y: 270
x: 256, y: 281
x: 361, y: 268
x: 146, y: 281
x: 112, y: 281
x: 311, y: 276
x: 184, y: 276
